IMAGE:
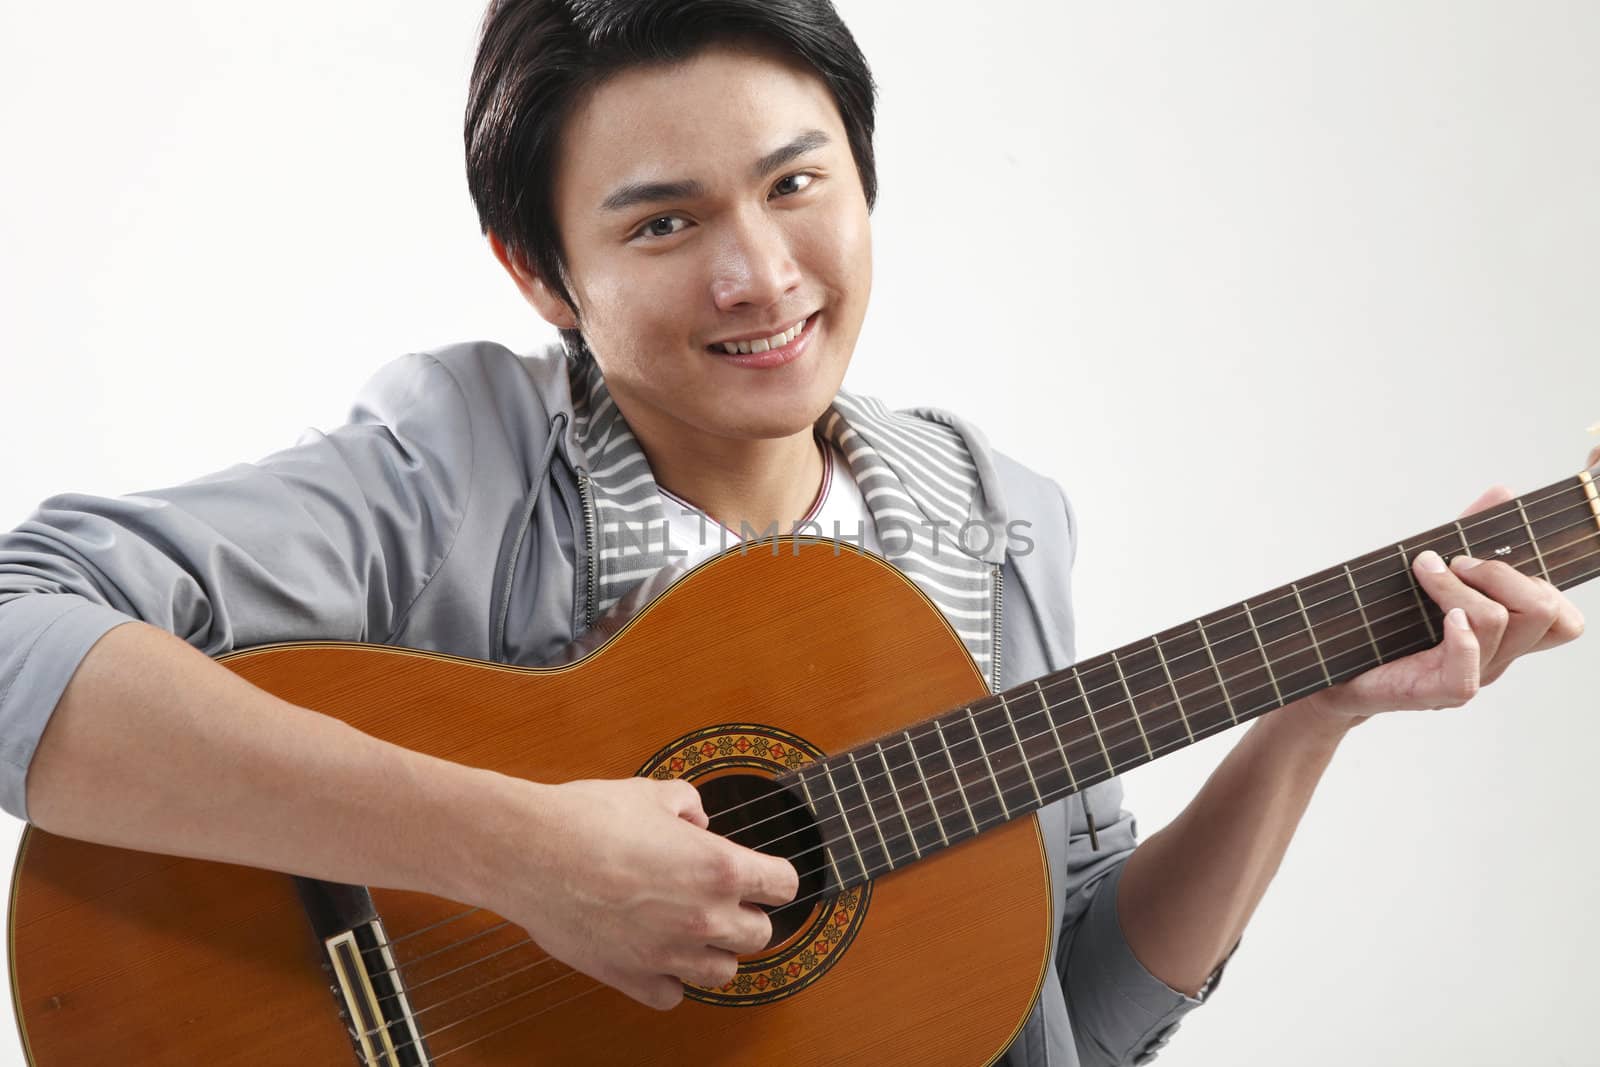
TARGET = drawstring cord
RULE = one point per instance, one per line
(557, 428)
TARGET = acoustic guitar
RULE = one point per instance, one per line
(827, 713)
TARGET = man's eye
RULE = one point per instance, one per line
(803, 179)
(665, 226)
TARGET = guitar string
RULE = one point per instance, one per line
(1204, 734)
(868, 871)
(1045, 705)
(1493, 515)
(431, 926)
(518, 1022)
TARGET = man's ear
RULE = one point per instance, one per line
(550, 307)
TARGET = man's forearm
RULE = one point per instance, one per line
(1189, 889)
(153, 746)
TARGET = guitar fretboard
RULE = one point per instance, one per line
(900, 798)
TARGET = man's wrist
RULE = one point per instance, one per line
(1314, 721)
(479, 814)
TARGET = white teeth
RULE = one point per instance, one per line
(775, 341)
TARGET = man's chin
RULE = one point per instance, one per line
(758, 421)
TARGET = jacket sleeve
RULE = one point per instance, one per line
(331, 539)
(1120, 1012)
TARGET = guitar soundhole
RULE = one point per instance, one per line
(759, 813)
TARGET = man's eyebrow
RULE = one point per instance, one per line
(806, 142)
(636, 193)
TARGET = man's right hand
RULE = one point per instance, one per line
(621, 880)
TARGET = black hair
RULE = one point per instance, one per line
(537, 57)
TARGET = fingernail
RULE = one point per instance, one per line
(1458, 619)
(1430, 562)
(1465, 563)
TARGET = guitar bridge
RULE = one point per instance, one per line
(366, 980)
(381, 1022)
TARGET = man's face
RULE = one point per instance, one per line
(739, 249)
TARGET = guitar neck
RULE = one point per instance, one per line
(906, 796)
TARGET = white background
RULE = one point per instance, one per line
(1264, 285)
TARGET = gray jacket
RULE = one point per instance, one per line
(448, 514)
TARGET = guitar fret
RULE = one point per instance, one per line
(1177, 700)
(871, 811)
(983, 750)
(1534, 541)
(1021, 752)
(1316, 646)
(1466, 546)
(1051, 719)
(1421, 607)
(1088, 710)
(911, 835)
(1123, 678)
(1222, 683)
(1251, 619)
(826, 847)
(956, 775)
(916, 761)
(1360, 607)
(845, 819)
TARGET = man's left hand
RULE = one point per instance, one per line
(1493, 614)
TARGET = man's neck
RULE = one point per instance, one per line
(757, 483)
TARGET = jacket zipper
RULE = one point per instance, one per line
(999, 570)
(591, 560)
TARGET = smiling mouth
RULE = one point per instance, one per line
(763, 344)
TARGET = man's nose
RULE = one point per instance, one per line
(755, 267)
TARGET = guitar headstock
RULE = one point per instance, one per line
(1594, 456)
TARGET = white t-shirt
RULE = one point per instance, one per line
(839, 512)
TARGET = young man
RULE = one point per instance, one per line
(661, 180)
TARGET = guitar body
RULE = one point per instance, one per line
(751, 665)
